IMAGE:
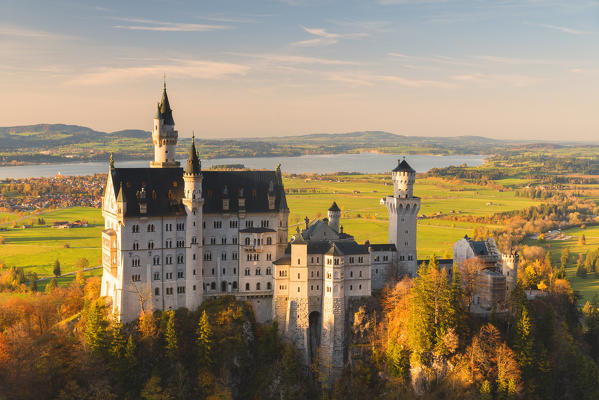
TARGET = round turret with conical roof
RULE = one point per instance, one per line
(334, 214)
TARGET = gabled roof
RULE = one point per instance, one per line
(285, 260)
(165, 190)
(347, 249)
(403, 166)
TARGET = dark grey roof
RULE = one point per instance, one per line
(193, 162)
(253, 184)
(383, 247)
(403, 166)
(283, 261)
(165, 190)
(256, 230)
(348, 248)
(318, 247)
(479, 247)
(334, 207)
(166, 113)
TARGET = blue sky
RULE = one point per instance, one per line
(507, 69)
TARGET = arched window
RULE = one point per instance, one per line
(151, 228)
(268, 241)
(213, 286)
(223, 286)
(247, 286)
(258, 286)
(268, 285)
(234, 285)
(157, 291)
(247, 241)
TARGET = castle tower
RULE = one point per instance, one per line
(403, 210)
(333, 339)
(509, 269)
(334, 216)
(193, 202)
(164, 135)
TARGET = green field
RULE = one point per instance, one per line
(364, 217)
(589, 286)
(36, 248)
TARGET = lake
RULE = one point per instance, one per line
(319, 163)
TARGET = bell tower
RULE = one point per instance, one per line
(164, 135)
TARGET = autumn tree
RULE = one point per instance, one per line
(582, 240)
(51, 285)
(170, 336)
(204, 341)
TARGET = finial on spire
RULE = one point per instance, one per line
(164, 80)
(111, 161)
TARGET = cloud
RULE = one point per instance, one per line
(434, 59)
(199, 69)
(293, 59)
(563, 29)
(325, 38)
(360, 78)
(30, 33)
(161, 26)
(391, 2)
(496, 80)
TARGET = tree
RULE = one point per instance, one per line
(548, 259)
(147, 325)
(582, 240)
(51, 285)
(82, 263)
(57, 268)
(204, 341)
(80, 278)
(95, 329)
(33, 281)
(117, 340)
(565, 258)
(524, 340)
(171, 336)
(485, 391)
(432, 314)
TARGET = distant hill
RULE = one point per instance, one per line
(48, 143)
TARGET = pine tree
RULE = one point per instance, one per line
(117, 340)
(565, 257)
(171, 336)
(204, 341)
(57, 268)
(33, 281)
(524, 340)
(130, 357)
(95, 329)
(51, 285)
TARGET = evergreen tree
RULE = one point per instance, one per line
(432, 314)
(33, 281)
(95, 329)
(51, 285)
(57, 268)
(117, 341)
(524, 340)
(130, 357)
(204, 341)
(582, 240)
(548, 259)
(581, 271)
(171, 336)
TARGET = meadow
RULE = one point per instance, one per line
(589, 286)
(358, 196)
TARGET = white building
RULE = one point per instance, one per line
(174, 237)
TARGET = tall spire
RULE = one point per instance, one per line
(111, 161)
(165, 108)
(193, 162)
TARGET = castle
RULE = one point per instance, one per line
(176, 236)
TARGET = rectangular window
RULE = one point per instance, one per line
(169, 290)
(180, 289)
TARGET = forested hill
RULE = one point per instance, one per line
(47, 143)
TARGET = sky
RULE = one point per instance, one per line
(511, 69)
